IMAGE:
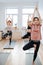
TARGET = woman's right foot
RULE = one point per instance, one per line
(33, 63)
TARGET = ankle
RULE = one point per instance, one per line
(33, 63)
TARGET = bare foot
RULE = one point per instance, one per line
(33, 63)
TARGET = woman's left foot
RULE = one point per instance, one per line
(33, 63)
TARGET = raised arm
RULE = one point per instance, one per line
(36, 9)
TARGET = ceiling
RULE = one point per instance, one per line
(14, 1)
(21, 2)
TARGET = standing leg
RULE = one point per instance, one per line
(36, 50)
(10, 35)
(10, 41)
(28, 46)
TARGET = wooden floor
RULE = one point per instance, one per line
(17, 54)
(41, 53)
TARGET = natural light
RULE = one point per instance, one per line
(26, 15)
(30, 11)
(15, 20)
(12, 14)
(12, 11)
(24, 20)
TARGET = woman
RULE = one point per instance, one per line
(8, 32)
(35, 37)
(28, 35)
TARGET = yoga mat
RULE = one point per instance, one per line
(29, 58)
(7, 46)
(3, 58)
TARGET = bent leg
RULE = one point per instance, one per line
(28, 46)
(25, 36)
(10, 35)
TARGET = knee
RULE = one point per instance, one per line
(34, 45)
(24, 48)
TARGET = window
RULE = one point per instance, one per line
(19, 15)
(15, 20)
(26, 14)
(13, 13)
(24, 20)
(27, 11)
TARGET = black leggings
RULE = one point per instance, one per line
(31, 45)
(9, 33)
(27, 36)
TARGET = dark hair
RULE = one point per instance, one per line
(8, 21)
(35, 18)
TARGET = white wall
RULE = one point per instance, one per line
(3, 6)
(2, 17)
(41, 13)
